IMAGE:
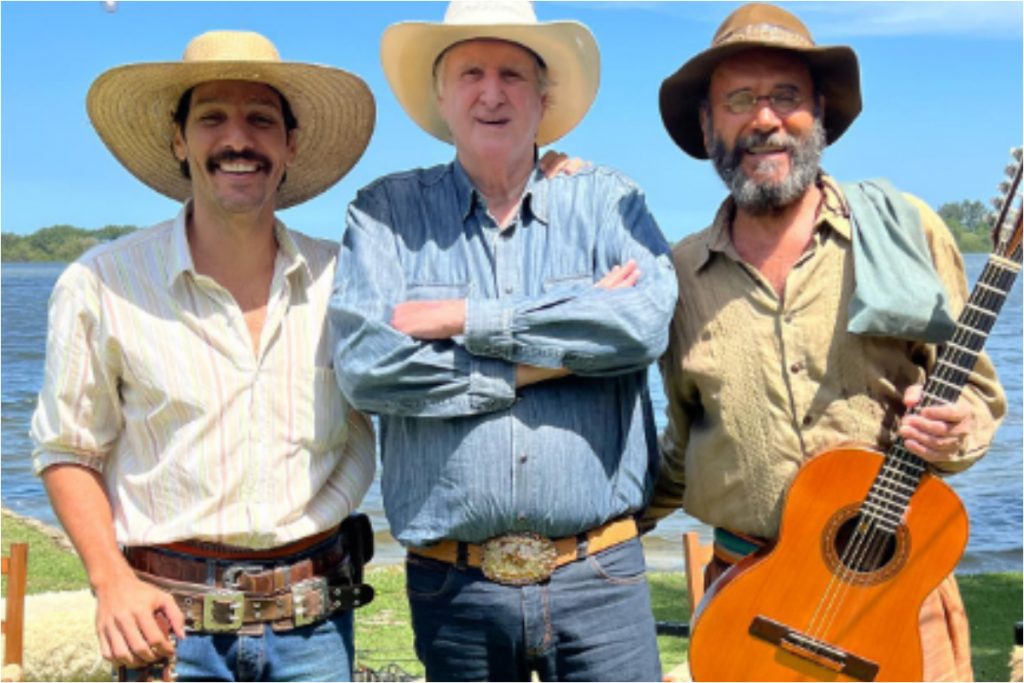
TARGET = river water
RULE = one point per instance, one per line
(991, 489)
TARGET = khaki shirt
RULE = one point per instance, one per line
(756, 385)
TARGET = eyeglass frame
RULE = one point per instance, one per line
(776, 92)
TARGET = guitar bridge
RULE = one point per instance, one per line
(813, 650)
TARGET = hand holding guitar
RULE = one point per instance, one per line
(936, 433)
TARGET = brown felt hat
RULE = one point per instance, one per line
(759, 25)
(131, 107)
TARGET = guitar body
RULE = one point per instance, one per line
(802, 584)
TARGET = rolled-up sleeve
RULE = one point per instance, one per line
(78, 416)
(381, 370)
(590, 330)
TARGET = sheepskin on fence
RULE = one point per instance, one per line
(60, 638)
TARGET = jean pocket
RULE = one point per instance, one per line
(427, 579)
(621, 564)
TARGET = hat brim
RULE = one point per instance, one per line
(835, 71)
(131, 107)
(408, 51)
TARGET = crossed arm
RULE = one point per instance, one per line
(446, 318)
(397, 354)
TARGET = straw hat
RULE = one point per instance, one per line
(755, 25)
(408, 51)
(131, 108)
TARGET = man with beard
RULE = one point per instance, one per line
(190, 431)
(779, 347)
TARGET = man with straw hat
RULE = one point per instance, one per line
(190, 431)
(501, 324)
(799, 330)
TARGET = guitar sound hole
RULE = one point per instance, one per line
(863, 549)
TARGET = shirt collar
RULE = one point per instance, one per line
(833, 214)
(535, 195)
(716, 239)
(180, 260)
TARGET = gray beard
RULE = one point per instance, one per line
(769, 197)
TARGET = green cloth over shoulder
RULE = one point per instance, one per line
(897, 292)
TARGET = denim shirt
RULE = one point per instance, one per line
(465, 454)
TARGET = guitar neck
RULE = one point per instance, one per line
(957, 356)
(902, 471)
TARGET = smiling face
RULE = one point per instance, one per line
(236, 145)
(490, 96)
(767, 157)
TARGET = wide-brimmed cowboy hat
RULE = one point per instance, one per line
(758, 25)
(408, 51)
(131, 108)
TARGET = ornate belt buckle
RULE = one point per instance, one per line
(519, 559)
(222, 610)
(309, 600)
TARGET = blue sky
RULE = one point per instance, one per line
(941, 84)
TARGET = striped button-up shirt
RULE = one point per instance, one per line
(758, 383)
(151, 379)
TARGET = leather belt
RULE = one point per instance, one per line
(524, 558)
(240, 593)
(213, 610)
(249, 573)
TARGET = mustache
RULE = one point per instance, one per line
(775, 139)
(230, 155)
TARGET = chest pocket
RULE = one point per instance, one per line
(567, 283)
(432, 291)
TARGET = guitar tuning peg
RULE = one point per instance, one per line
(1016, 153)
(1010, 170)
(997, 203)
(1004, 187)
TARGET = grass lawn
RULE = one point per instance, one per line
(384, 636)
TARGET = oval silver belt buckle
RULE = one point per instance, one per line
(519, 559)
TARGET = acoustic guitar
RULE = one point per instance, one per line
(864, 538)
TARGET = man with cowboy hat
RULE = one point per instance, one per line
(780, 347)
(501, 324)
(190, 431)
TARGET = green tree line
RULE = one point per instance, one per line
(968, 220)
(63, 243)
(969, 223)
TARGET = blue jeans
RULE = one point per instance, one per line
(318, 652)
(591, 621)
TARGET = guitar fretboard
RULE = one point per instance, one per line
(901, 473)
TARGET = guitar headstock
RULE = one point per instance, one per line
(1006, 227)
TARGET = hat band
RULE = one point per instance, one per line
(768, 33)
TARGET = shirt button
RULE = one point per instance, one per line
(522, 459)
(796, 367)
(807, 420)
(788, 318)
(508, 289)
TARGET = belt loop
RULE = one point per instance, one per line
(582, 545)
(211, 572)
(461, 555)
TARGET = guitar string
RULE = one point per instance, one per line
(969, 337)
(866, 548)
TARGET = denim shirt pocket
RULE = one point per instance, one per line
(430, 291)
(568, 282)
